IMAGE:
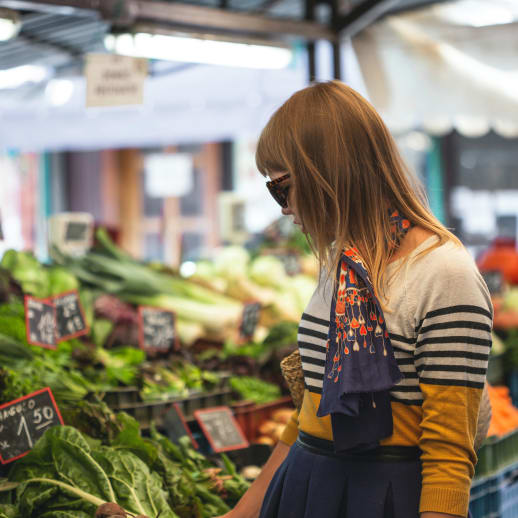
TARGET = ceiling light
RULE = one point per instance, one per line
(59, 91)
(17, 76)
(477, 13)
(198, 50)
(10, 24)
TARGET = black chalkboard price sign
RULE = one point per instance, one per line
(23, 421)
(70, 319)
(221, 429)
(494, 281)
(40, 322)
(249, 320)
(157, 329)
(175, 426)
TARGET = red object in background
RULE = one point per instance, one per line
(113, 231)
(502, 256)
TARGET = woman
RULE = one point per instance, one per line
(395, 341)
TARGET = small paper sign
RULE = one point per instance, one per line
(23, 421)
(175, 426)
(249, 320)
(157, 329)
(113, 80)
(40, 322)
(221, 429)
(494, 281)
(70, 319)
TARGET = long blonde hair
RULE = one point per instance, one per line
(346, 171)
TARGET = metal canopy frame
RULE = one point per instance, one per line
(221, 20)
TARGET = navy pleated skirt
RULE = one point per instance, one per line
(313, 484)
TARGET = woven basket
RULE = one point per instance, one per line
(291, 368)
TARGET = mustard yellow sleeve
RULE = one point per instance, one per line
(448, 432)
(289, 435)
(451, 356)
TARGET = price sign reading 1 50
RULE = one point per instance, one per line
(23, 421)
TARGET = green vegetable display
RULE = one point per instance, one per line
(70, 474)
(254, 389)
(111, 270)
(64, 473)
(98, 457)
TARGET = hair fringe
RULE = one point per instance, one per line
(346, 173)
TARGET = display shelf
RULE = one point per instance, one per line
(496, 496)
(153, 411)
(496, 453)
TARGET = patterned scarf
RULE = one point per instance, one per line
(360, 365)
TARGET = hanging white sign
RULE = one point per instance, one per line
(113, 80)
(168, 174)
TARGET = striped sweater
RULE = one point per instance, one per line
(439, 321)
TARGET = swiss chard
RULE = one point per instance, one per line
(63, 474)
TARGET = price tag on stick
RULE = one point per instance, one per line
(24, 420)
(221, 429)
(157, 329)
(249, 320)
(70, 319)
(40, 322)
(175, 425)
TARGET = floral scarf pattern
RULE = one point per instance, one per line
(360, 365)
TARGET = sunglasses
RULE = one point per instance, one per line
(278, 191)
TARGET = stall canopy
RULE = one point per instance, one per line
(438, 67)
(451, 65)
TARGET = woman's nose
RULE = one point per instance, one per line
(286, 211)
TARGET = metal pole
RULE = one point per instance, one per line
(310, 16)
(337, 49)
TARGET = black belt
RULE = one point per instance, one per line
(379, 453)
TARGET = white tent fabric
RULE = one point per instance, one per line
(421, 71)
(197, 104)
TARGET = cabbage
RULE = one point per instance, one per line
(231, 262)
(268, 271)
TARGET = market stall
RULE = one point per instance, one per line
(141, 356)
(130, 364)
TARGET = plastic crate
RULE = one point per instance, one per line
(486, 464)
(250, 416)
(115, 398)
(220, 397)
(480, 501)
(496, 454)
(507, 494)
(146, 413)
(505, 450)
(152, 411)
(496, 496)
